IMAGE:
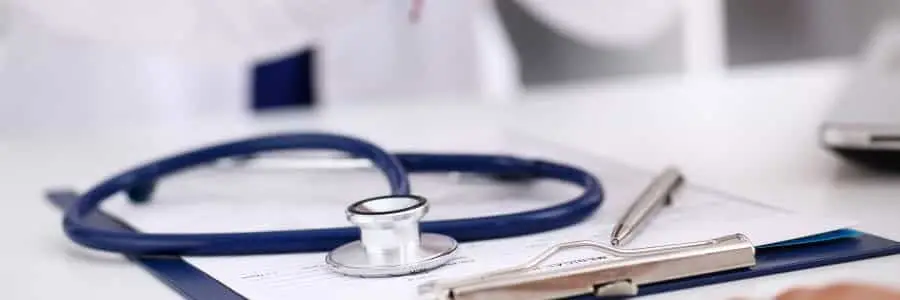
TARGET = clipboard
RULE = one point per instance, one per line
(828, 249)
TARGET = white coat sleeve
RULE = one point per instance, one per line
(606, 23)
(211, 29)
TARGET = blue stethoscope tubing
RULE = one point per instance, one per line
(138, 184)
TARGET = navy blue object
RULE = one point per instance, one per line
(138, 183)
(285, 82)
(822, 237)
(195, 284)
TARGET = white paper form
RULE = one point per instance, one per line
(241, 200)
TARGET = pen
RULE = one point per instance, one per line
(657, 194)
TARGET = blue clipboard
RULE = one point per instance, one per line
(195, 284)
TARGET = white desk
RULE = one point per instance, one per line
(752, 134)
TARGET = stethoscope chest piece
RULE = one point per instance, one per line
(390, 243)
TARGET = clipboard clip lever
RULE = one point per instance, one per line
(619, 274)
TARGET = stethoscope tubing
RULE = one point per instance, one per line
(394, 166)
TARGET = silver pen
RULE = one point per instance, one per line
(657, 194)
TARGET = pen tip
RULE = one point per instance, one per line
(614, 242)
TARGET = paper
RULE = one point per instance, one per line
(240, 200)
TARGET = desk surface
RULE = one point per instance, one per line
(752, 134)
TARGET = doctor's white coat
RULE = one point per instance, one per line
(369, 50)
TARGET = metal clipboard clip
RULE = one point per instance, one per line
(619, 276)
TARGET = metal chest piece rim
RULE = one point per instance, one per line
(390, 242)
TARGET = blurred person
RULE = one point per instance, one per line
(365, 50)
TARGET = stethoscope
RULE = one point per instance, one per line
(391, 239)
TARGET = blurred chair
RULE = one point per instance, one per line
(588, 40)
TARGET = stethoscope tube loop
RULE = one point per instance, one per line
(394, 167)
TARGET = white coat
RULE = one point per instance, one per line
(369, 50)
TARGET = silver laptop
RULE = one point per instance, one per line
(864, 123)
